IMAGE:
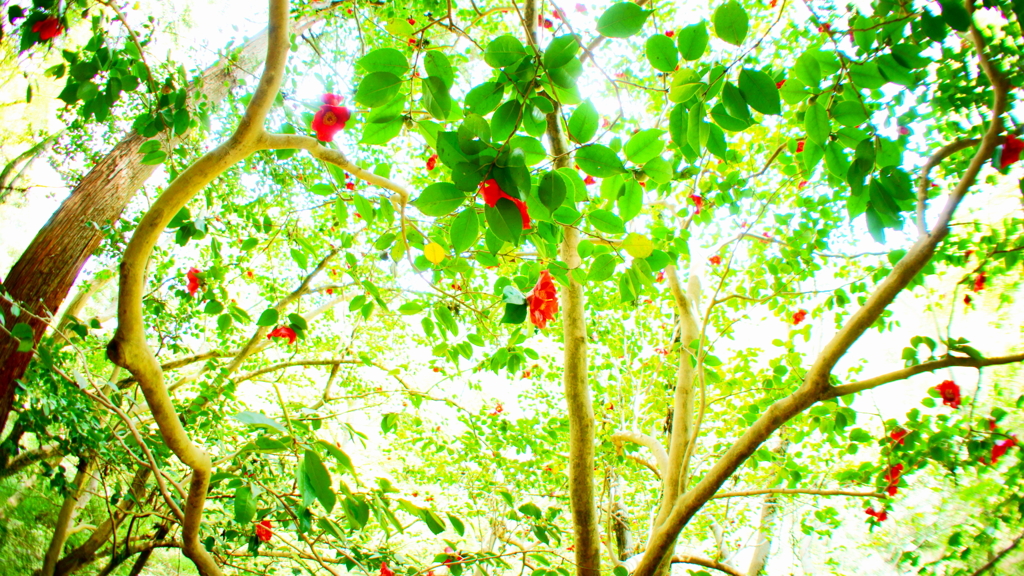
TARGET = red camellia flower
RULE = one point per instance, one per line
(385, 571)
(799, 316)
(780, 83)
(350, 185)
(1001, 446)
(773, 3)
(800, 146)
(263, 531)
(897, 435)
(991, 424)
(715, 260)
(193, 280)
(967, 299)
(543, 301)
(51, 28)
(893, 478)
(412, 22)
(589, 180)
(979, 282)
(825, 28)
(283, 332)
(1011, 149)
(950, 393)
(698, 201)
(670, 33)
(492, 193)
(431, 163)
(330, 118)
(880, 515)
(801, 185)
(660, 277)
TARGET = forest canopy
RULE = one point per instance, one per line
(566, 289)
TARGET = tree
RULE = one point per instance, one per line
(741, 161)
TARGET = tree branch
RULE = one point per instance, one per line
(932, 366)
(797, 491)
(652, 444)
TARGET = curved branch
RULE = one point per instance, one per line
(922, 181)
(652, 444)
(797, 491)
(946, 362)
(706, 563)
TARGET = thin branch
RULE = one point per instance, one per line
(923, 182)
(932, 366)
(651, 443)
(992, 563)
(706, 563)
(797, 491)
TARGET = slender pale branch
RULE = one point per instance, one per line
(931, 366)
(797, 491)
(923, 181)
(649, 442)
(706, 563)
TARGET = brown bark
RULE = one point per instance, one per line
(42, 277)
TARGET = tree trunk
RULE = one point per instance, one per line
(769, 511)
(45, 272)
(66, 516)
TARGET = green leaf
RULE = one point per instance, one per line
(319, 479)
(440, 199)
(434, 522)
(685, 83)
(338, 455)
(504, 51)
(583, 122)
(631, 201)
(760, 92)
(638, 245)
(955, 15)
(644, 145)
(437, 65)
(659, 170)
(258, 420)
(693, 41)
(849, 113)
(269, 317)
(504, 220)
(378, 88)
(485, 97)
(436, 99)
(464, 231)
(560, 51)
(552, 190)
(457, 524)
(384, 60)
(817, 123)
(599, 160)
(505, 119)
(606, 221)
(245, 505)
(731, 23)
(661, 53)
(514, 313)
(530, 509)
(381, 132)
(603, 268)
(808, 69)
(867, 75)
(622, 20)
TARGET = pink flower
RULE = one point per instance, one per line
(193, 280)
(950, 393)
(543, 301)
(1001, 446)
(698, 201)
(283, 332)
(581, 8)
(1011, 149)
(904, 131)
(50, 28)
(799, 316)
(263, 532)
(897, 435)
(492, 193)
(330, 119)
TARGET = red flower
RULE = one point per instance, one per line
(589, 180)
(715, 260)
(773, 3)
(543, 301)
(979, 282)
(950, 393)
(880, 515)
(967, 299)
(263, 532)
(800, 146)
(670, 33)
(904, 131)
(801, 185)
(283, 332)
(385, 571)
(330, 291)
(799, 317)
(412, 41)
(698, 201)
(431, 163)
(897, 435)
(660, 277)
(893, 478)
(825, 28)
(412, 22)
(193, 280)
(492, 193)
(51, 28)
(604, 121)
(581, 8)
(350, 185)
(780, 83)
(991, 424)
(330, 118)
(1001, 446)
(1011, 149)
(558, 14)
(544, 22)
